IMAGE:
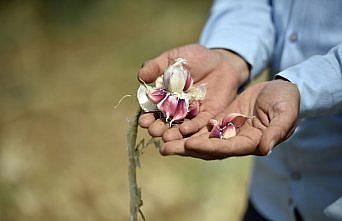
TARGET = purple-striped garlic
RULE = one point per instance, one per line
(227, 128)
(173, 93)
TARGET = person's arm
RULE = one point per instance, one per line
(319, 80)
(244, 27)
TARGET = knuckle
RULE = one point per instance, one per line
(184, 128)
(143, 122)
(280, 107)
(167, 136)
(152, 132)
(189, 146)
(145, 63)
(170, 135)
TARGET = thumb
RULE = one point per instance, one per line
(280, 129)
(153, 68)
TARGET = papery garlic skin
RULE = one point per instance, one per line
(159, 82)
(145, 103)
(197, 93)
(173, 94)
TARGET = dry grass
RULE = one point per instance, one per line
(62, 150)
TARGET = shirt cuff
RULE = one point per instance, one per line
(306, 104)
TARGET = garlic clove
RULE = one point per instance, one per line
(212, 123)
(215, 132)
(177, 82)
(168, 106)
(188, 83)
(235, 118)
(181, 111)
(156, 95)
(175, 76)
(194, 109)
(229, 131)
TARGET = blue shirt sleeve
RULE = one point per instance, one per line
(319, 80)
(242, 26)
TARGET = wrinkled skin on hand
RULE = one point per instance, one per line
(220, 70)
(275, 107)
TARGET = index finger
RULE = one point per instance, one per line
(153, 68)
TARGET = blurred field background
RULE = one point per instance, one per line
(63, 66)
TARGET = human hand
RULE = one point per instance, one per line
(222, 72)
(274, 106)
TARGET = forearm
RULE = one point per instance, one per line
(319, 80)
(244, 27)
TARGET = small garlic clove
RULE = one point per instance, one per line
(235, 118)
(197, 92)
(178, 81)
(188, 83)
(168, 106)
(156, 95)
(145, 103)
(215, 132)
(181, 111)
(229, 131)
(166, 78)
(175, 76)
(212, 123)
(194, 109)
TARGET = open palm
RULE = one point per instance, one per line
(274, 106)
(221, 73)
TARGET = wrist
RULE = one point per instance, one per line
(241, 67)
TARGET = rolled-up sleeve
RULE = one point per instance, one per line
(242, 26)
(319, 80)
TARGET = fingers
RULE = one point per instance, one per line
(157, 128)
(279, 129)
(153, 68)
(145, 120)
(194, 125)
(171, 134)
(176, 147)
(244, 144)
(187, 127)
